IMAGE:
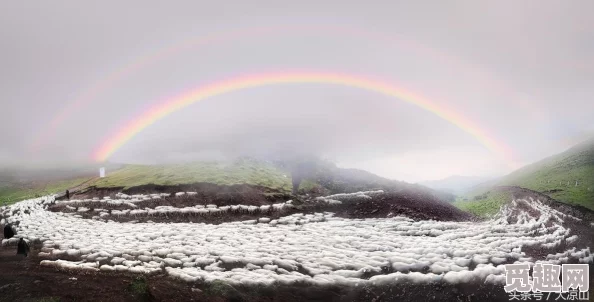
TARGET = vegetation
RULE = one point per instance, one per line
(243, 171)
(567, 177)
(11, 194)
(486, 204)
(310, 186)
(317, 177)
(320, 176)
(220, 288)
(139, 288)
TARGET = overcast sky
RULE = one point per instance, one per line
(523, 71)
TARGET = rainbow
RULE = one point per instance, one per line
(173, 104)
(111, 79)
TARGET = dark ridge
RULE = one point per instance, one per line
(200, 187)
(415, 205)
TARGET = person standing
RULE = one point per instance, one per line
(23, 247)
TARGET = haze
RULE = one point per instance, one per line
(521, 70)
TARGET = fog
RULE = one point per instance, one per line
(74, 73)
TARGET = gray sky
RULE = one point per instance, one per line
(521, 70)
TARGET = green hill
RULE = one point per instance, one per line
(242, 171)
(319, 177)
(19, 184)
(13, 192)
(485, 205)
(567, 177)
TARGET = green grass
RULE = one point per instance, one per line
(557, 179)
(308, 185)
(556, 176)
(239, 172)
(140, 289)
(242, 171)
(9, 195)
(220, 288)
(485, 205)
(139, 286)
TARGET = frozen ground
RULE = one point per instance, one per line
(317, 249)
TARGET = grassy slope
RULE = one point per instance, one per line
(556, 176)
(239, 172)
(11, 194)
(486, 204)
(326, 178)
(243, 171)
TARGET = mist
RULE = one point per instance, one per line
(521, 71)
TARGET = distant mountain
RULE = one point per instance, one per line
(329, 179)
(455, 184)
(567, 177)
(481, 187)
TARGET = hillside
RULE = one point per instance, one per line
(242, 171)
(329, 179)
(322, 178)
(18, 183)
(567, 177)
(486, 204)
(13, 192)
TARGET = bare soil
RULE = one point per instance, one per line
(409, 203)
(416, 205)
(213, 193)
(23, 279)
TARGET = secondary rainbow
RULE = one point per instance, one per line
(170, 105)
